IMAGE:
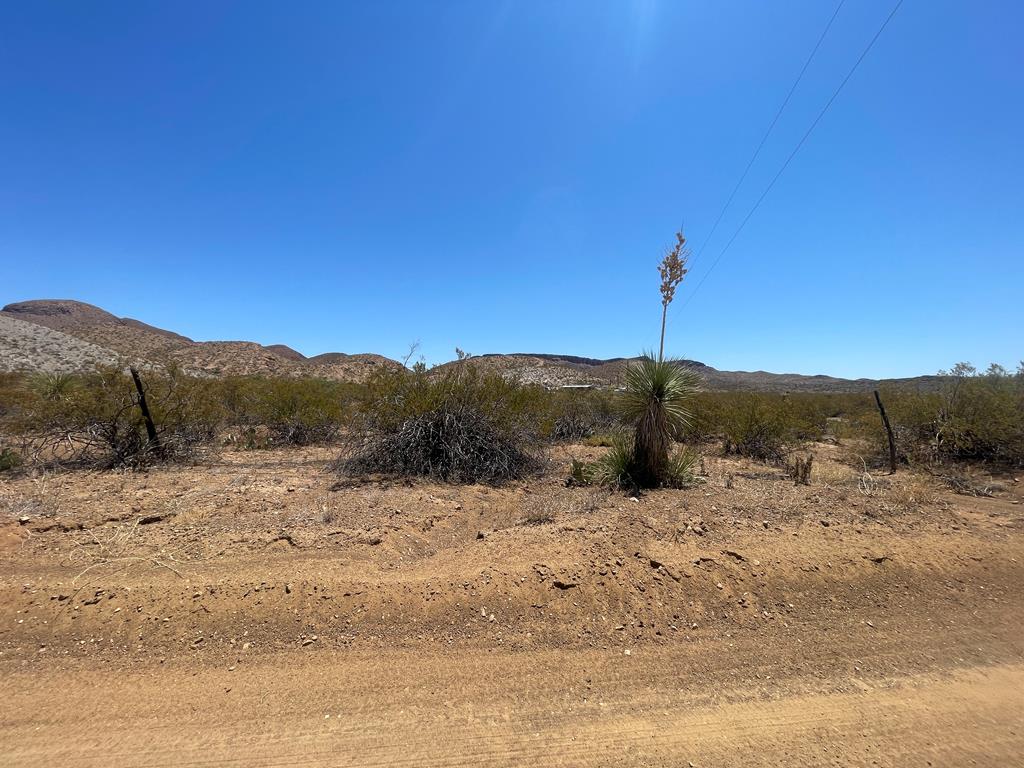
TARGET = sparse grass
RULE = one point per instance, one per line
(911, 492)
(538, 516)
(834, 474)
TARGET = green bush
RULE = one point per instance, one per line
(269, 412)
(9, 459)
(972, 416)
(95, 420)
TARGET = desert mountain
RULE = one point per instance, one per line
(65, 335)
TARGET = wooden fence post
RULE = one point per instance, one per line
(154, 439)
(888, 431)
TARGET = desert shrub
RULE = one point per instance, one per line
(968, 417)
(94, 420)
(574, 415)
(456, 425)
(742, 417)
(981, 417)
(302, 412)
(9, 459)
(754, 426)
(263, 413)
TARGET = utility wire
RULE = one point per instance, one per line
(796, 149)
(767, 133)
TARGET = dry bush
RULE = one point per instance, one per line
(457, 426)
(911, 492)
(453, 443)
(575, 416)
(799, 469)
(966, 485)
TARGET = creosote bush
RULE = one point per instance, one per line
(455, 424)
(264, 413)
(95, 420)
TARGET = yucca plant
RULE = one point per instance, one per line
(656, 399)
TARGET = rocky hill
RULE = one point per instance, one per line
(29, 347)
(66, 335)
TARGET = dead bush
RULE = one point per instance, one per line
(459, 426)
(799, 469)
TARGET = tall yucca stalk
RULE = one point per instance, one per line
(656, 397)
(672, 270)
(658, 390)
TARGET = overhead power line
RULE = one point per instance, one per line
(793, 154)
(767, 133)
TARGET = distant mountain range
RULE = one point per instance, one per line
(61, 335)
(572, 369)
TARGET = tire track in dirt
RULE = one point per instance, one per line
(950, 719)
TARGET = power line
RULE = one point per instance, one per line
(767, 133)
(796, 149)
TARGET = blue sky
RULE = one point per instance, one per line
(505, 176)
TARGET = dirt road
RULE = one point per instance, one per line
(260, 617)
(480, 708)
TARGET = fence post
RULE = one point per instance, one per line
(154, 439)
(888, 431)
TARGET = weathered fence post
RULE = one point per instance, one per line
(888, 431)
(154, 439)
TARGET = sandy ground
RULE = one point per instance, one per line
(254, 611)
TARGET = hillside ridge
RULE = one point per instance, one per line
(80, 336)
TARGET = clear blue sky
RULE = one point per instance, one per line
(504, 176)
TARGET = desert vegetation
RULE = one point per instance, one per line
(466, 424)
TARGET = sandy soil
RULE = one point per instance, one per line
(254, 611)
